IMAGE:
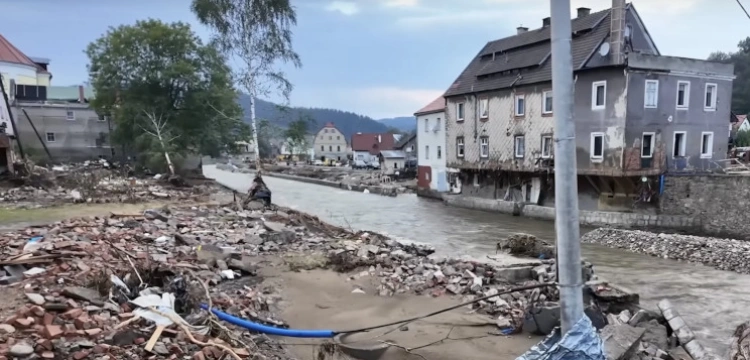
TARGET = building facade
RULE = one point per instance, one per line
(638, 114)
(431, 136)
(367, 146)
(330, 143)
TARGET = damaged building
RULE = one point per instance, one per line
(638, 114)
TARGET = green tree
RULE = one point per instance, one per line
(742, 139)
(167, 92)
(295, 135)
(258, 35)
(741, 85)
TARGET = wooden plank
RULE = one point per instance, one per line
(154, 338)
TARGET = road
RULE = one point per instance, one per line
(710, 300)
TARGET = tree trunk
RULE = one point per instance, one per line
(256, 144)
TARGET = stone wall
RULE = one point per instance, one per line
(720, 202)
(586, 218)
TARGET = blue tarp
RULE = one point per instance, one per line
(580, 343)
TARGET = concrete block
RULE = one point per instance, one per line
(516, 274)
(621, 341)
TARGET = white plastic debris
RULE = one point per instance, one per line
(118, 282)
(227, 274)
(163, 303)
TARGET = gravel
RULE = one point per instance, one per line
(722, 254)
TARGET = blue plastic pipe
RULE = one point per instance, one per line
(270, 330)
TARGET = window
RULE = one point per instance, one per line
(330, 138)
(651, 95)
(320, 137)
(330, 148)
(70, 115)
(427, 152)
(484, 147)
(439, 152)
(325, 131)
(647, 145)
(460, 146)
(598, 95)
(460, 112)
(484, 108)
(547, 102)
(546, 146)
(437, 125)
(322, 148)
(709, 103)
(50, 137)
(426, 125)
(338, 137)
(597, 146)
(102, 117)
(338, 148)
(707, 144)
(678, 144)
(520, 105)
(683, 94)
(518, 146)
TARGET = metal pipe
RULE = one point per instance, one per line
(33, 127)
(12, 121)
(566, 185)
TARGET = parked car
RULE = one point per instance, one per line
(359, 164)
(318, 163)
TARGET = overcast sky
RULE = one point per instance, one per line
(380, 58)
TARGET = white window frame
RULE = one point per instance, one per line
(594, 86)
(437, 125)
(516, 107)
(460, 147)
(460, 111)
(70, 115)
(653, 143)
(544, 102)
(515, 146)
(592, 147)
(427, 152)
(54, 137)
(683, 146)
(551, 144)
(686, 98)
(484, 147)
(484, 104)
(709, 146)
(712, 106)
(656, 94)
(426, 125)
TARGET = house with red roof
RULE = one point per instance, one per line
(431, 163)
(367, 146)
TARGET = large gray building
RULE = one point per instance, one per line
(63, 121)
(638, 114)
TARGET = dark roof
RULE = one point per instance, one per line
(405, 140)
(436, 105)
(528, 56)
(372, 142)
(10, 54)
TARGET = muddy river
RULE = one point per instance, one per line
(710, 300)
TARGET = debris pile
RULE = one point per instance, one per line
(92, 182)
(722, 254)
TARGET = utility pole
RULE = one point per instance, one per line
(566, 184)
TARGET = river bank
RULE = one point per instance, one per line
(722, 254)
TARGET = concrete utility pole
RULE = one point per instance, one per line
(566, 184)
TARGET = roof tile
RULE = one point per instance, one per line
(435, 106)
(9, 53)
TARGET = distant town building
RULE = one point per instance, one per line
(330, 143)
(638, 114)
(367, 146)
(431, 170)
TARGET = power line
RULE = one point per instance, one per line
(743, 8)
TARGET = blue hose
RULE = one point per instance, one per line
(270, 330)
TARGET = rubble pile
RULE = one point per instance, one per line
(93, 182)
(722, 254)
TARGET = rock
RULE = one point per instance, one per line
(274, 226)
(655, 334)
(358, 291)
(7, 329)
(542, 319)
(527, 245)
(155, 215)
(620, 341)
(21, 350)
(36, 298)
(160, 349)
(81, 293)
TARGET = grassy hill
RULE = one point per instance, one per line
(403, 123)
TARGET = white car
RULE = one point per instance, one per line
(318, 163)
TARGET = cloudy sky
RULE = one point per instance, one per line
(380, 58)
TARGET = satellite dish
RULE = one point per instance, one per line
(604, 49)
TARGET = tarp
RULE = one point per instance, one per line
(580, 343)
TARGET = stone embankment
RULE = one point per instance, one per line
(722, 254)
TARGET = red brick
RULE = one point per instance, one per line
(199, 356)
(24, 322)
(72, 314)
(46, 344)
(139, 341)
(37, 311)
(83, 322)
(81, 355)
(125, 316)
(93, 332)
(52, 331)
(48, 355)
(101, 348)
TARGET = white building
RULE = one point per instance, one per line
(431, 171)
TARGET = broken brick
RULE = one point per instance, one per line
(53, 331)
(24, 322)
(81, 355)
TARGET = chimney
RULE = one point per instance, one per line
(617, 32)
(583, 11)
(546, 21)
(522, 30)
(81, 97)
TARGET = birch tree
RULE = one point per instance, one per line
(157, 129)
(257, 34)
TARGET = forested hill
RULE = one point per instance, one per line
(347, 122)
